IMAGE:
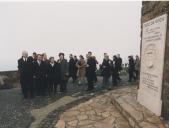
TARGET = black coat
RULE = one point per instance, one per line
(63, 69)
(114, 67)
(40, 71)
(119, 63)
(53, 73)
(90, 69)
(76, 66)
(72, 67)
(131, 64)
(32, 59)
(106, 68)
(25, 69)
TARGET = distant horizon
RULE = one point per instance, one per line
(73, 27)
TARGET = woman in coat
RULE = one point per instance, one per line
(81, 65)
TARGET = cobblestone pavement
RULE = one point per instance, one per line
(19, 113)
(98, 112)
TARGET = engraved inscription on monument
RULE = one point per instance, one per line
(152, 61)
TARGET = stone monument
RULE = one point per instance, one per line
(153, 91)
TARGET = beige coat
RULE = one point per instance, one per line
(81, 64)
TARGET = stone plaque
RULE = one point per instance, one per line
(152, 63)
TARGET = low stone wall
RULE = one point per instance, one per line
(9, 79)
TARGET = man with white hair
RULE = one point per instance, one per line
(26, 74)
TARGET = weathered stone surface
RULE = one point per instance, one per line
(98, 112)
(73, 123)
(85, 122)
(69, 118)
(147, 125)
(60, 124)
(95, 117)
(71, 113)
(82, 117)
(106, 114)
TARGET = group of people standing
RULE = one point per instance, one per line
(40, 76)
(112, 68)
(133, 68)
(83, 69)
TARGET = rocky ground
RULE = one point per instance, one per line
(17, 112)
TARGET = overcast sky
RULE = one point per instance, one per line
(70, 27)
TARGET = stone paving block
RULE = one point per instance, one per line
(60, 124)
(73, 123)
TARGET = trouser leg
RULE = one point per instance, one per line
(95, 77)
(50, 88)
(22, 87)
(55, 88)
(105, 81)
(118, 76)
(25, 90)
(137, 74)
(74, 78)
(130, 75)
(45, 87)
(31, 89)
(114, 78)
(63, 86)
(37, 88)
(42, 87)
(90, 83)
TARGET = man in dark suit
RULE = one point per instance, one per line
(90, 71)
(40, 75)
(64, 72)
(119, 66)
(33, 57)
(131, 69)
(72, 68)
(53, 75)
(95, 75)
(25, 67)
(115, 70)
(46, 61)
(76, 68)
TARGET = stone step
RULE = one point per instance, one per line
(137, 115)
